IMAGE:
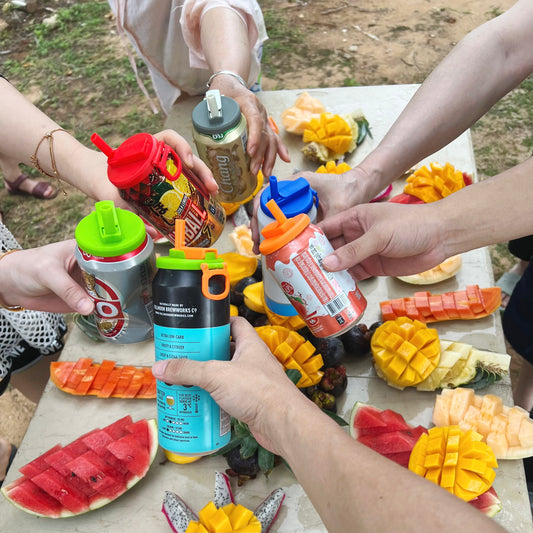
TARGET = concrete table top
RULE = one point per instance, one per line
(60, 418)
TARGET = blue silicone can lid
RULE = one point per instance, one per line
(292, 196)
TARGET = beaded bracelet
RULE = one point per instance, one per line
(229, 73)
(14, 308)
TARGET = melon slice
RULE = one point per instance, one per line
(367, 420)
(446, 270)
(507, 430)
(386, 432)
(92, 471)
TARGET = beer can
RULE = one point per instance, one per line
(329, 302)
(117, 261)
(191, 320)
(220, 133)
(152, 179)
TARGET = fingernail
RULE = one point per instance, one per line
(159, 367)
(85, 306)
(331, 262)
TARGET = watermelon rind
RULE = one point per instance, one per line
(98, 502)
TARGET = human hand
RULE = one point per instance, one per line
(45, 279)
(252, 387)
(264, 144)
(385, 239)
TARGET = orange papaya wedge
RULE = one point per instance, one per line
(104, 380)
(470, 303)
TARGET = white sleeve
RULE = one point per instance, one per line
(251, 15)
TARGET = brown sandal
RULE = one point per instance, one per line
(37, 192)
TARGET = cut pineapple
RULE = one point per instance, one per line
(461, 364)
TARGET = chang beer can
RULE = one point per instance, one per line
(117, 260)
(220, 133)
(191, 321)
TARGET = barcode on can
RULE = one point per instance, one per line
(337, 305)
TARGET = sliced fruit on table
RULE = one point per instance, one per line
(446, 270)
(405, 351)
(88, 473)
(297, 117)
(331, 167)
(222, 514)
(457, 460)
(471, 303)
(239, 266)
(253, 296)
(385, 431)
(434, 183)
(461, 364)
(241, 237)
(507, 430)
(293, 351)
(84, 377)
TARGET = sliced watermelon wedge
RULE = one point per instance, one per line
(387, 433)
(90, 472)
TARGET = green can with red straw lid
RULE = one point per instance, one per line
(293, 248)
(150, 176)
(117, 261)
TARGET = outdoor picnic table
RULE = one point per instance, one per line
(60, 417)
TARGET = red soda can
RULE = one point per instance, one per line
(329, 302)
(152, 179)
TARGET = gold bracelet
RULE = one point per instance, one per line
(14, 308)
(35, 161)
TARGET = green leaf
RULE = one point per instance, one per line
(233, 443)
(336, 417)
(265, 460)
(294, 375)
(241, 429)
(248, 447)
(363, 131)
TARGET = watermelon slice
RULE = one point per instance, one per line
(387, 433)
(90, 472)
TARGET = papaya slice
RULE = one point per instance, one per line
(104, 380)
(471, 303)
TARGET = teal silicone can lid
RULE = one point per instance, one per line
(134, 160)
(292, 196)
(110, 231)
(216, 114)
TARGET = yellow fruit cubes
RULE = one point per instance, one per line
(435, 183)
(293, 351)
(229, 518)
(507, 430)
(456, 460)
(331, 131)
(405, 351)
(331, 167)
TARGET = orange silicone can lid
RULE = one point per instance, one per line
(283, 230)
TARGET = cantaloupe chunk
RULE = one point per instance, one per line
(507, 430)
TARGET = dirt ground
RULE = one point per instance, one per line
(393, 43)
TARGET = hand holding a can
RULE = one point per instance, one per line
(44, 279)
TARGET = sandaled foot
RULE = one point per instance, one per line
(8, 452)
(41, 189)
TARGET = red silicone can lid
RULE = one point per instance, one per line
(134, 160)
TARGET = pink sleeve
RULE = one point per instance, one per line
(248, 10)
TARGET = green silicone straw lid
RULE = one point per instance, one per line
(110, 231)
(182, 257)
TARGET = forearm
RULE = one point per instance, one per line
(495, 210)
(23, 126)
(481, 69)
(355, 489)
(225, 41)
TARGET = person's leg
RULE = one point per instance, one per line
(7, 452)
(17, 182)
